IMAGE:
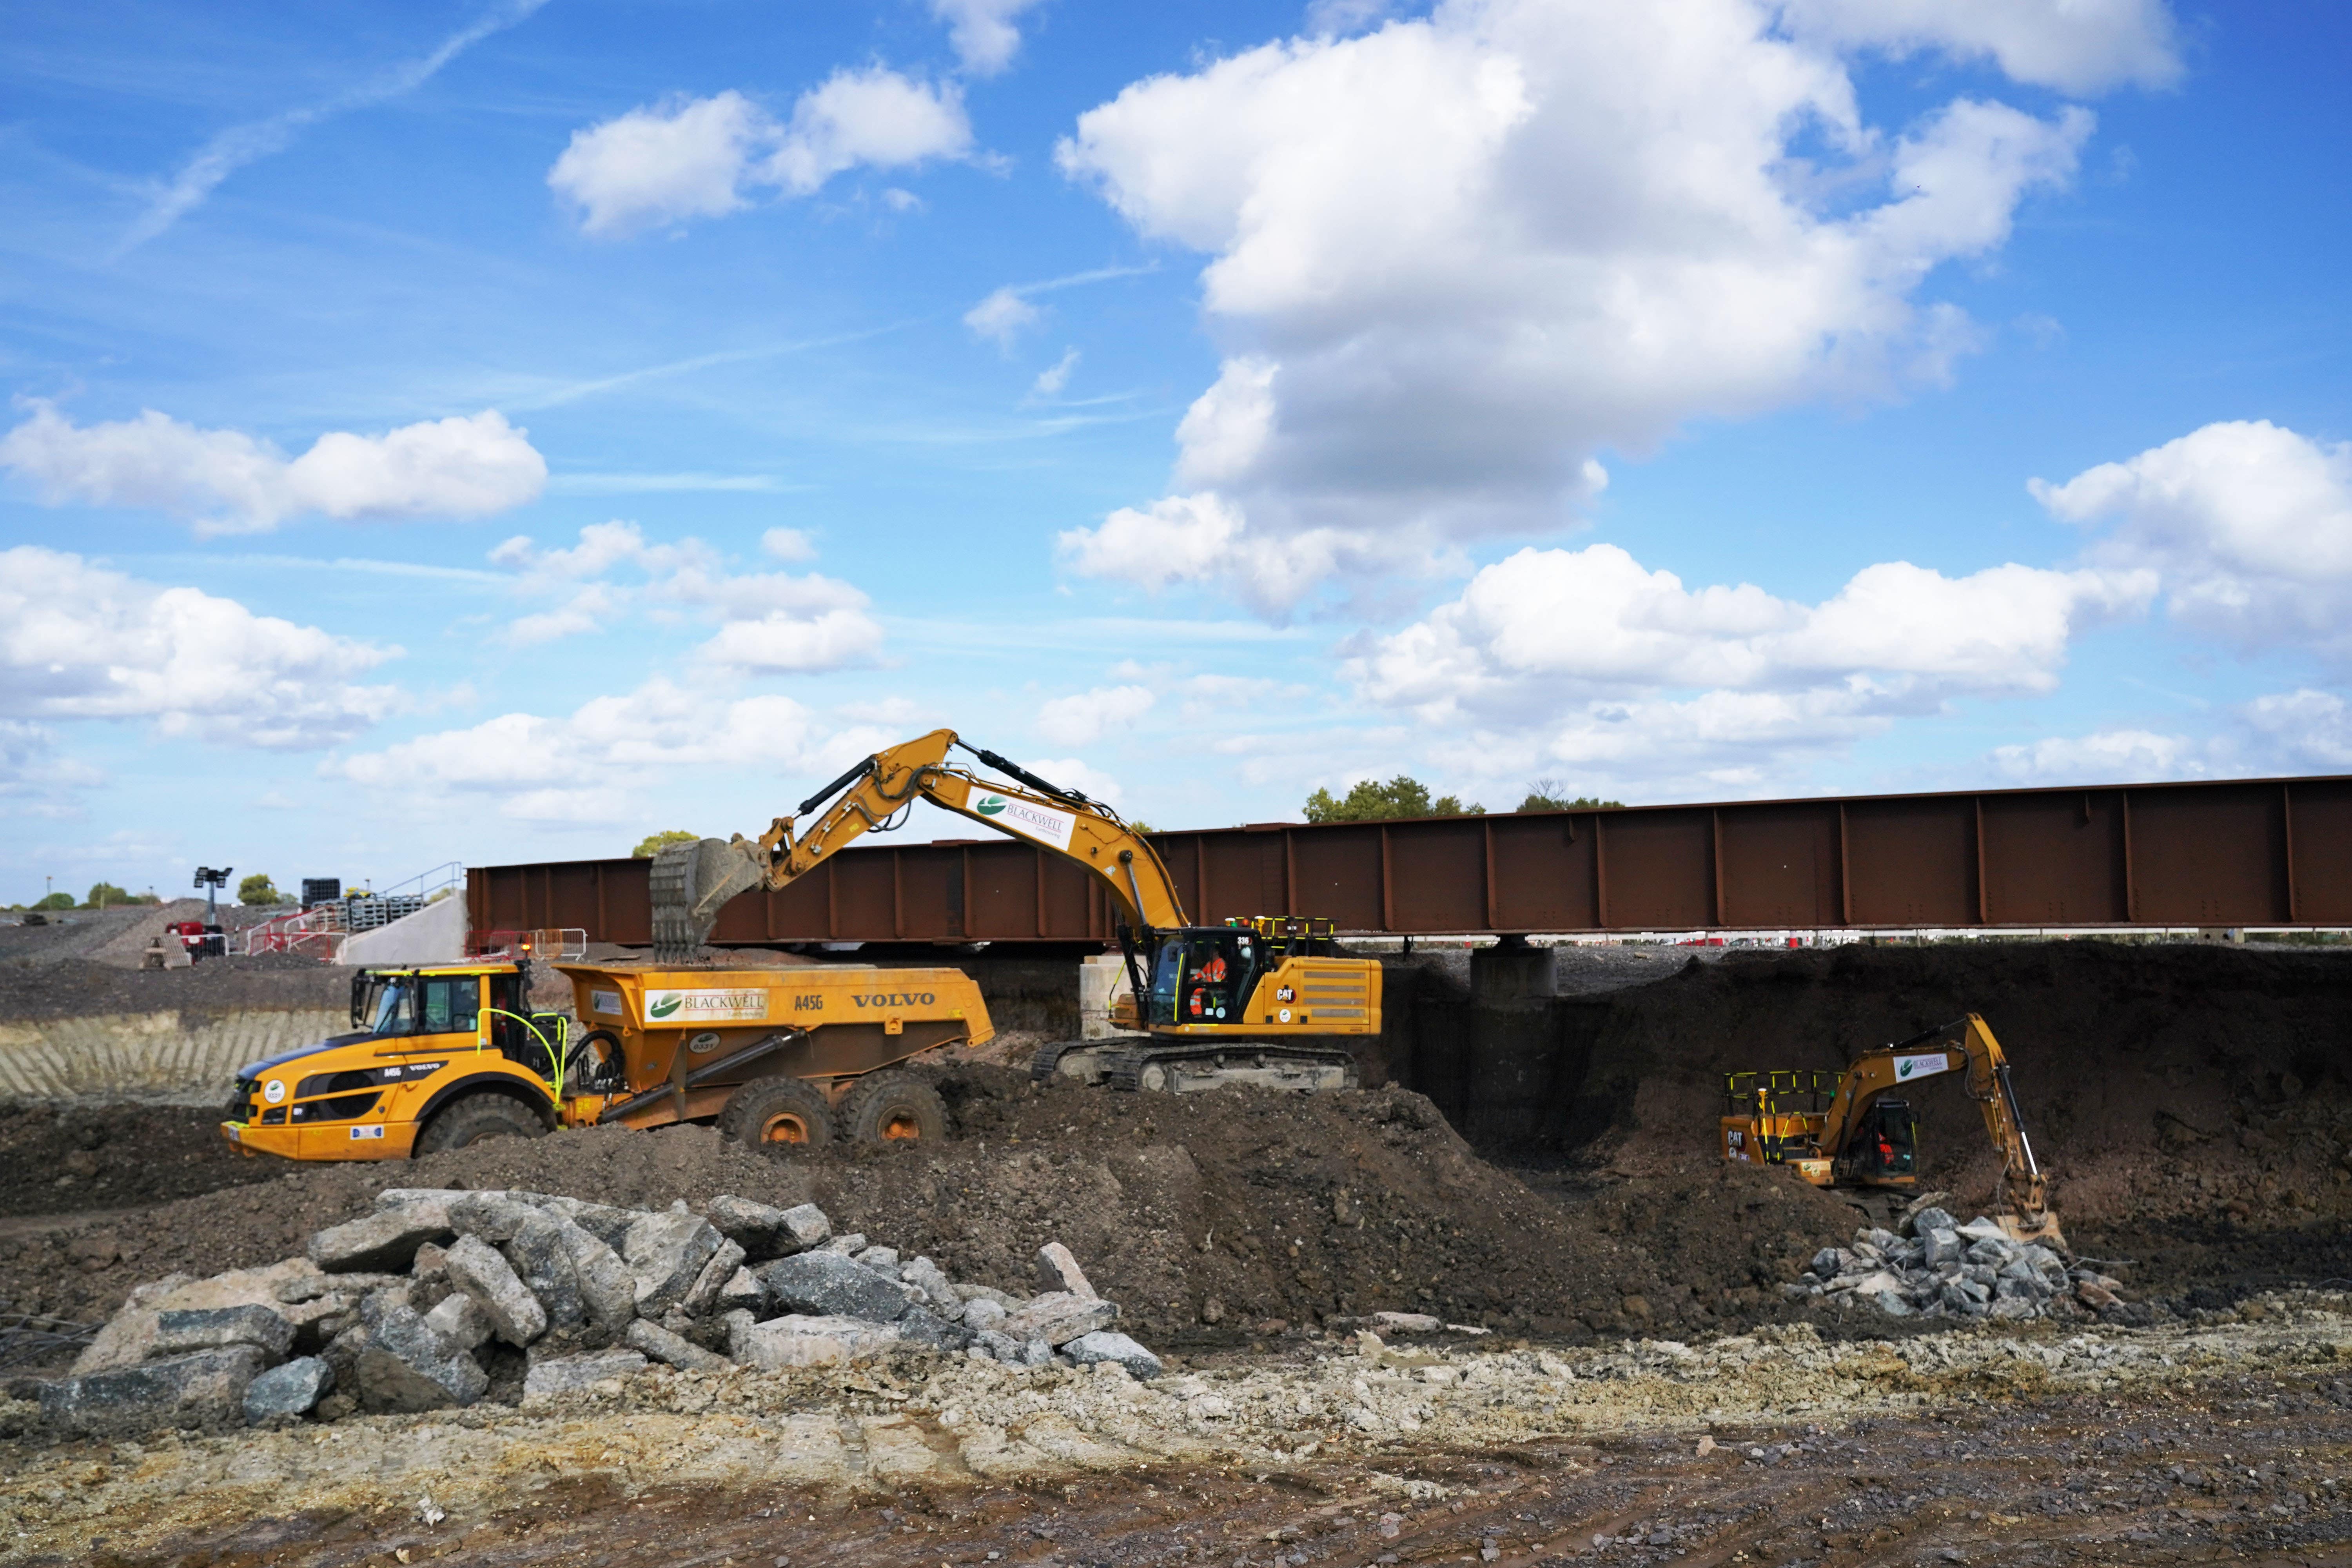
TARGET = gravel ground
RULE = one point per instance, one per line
(2225, 1441)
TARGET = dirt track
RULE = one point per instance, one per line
(2226, 1442)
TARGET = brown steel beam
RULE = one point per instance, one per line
(2260, 852)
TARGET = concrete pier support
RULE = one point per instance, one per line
(1512, 1055)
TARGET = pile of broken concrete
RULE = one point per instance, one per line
(440, 1300)
(1938, 1268)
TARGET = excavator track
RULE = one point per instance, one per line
(1141, 1063)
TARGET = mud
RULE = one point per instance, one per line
(2223, 1441)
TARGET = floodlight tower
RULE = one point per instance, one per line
(212, 881)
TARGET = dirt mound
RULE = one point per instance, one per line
(87, 1155)
(1205, 1214)
(74, 987)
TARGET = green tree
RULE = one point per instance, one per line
(1372, 801)
(652, 844)
(56, 901)
(103, 895)
(1551, 795)
(256, 889)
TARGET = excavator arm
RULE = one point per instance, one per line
(1978, 1055)
(692, 883)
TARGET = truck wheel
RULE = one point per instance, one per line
(777, 1114)
(895, 1107)
(475, 1118)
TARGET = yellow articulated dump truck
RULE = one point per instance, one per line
(441, 1057)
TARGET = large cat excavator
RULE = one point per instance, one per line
(1255, 1001)
(1855, 1132)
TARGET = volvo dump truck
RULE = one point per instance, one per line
(1267, 1000)
(1854, 1131)
(441, 1057)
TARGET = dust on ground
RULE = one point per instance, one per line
(2224, 1440)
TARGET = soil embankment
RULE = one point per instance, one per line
(2189, 1099)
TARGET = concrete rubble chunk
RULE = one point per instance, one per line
(180, 1330)
(602, 1221)
(608, 1291)
(292, 1389)
(764, 1232)
(1103, 1345)
(722, 1267)
(1003, 1299)
(1830, 1262)
(883, 1261)
(816, 1340)
(2095, 1296)
(1983, 1229)
(493, 1217)
(481, 1271)
(741, 1292)
(1058, 1318)
(981, 1314)
(1406, 1323)
(1943, 1248)
(928, 1277)
(460, 1322)
(579, 1374)
(846, 1246)
(1058, 1271)
(542, 1261)
(1928, 1219)
(828, 1284)
(667, 1252)
(402, 1364)
(658, 1343)
(203, 1388)
(384, 1241)
(922, 1326)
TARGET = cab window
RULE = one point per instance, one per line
(451, 1003)
(1202, 977)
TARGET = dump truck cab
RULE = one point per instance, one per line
(422, 1041)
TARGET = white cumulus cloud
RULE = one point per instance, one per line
(230, 482)
(769, 622)
(701, 157)
(2074, 46)
(1085, 717)
(1004, 316)
(2249, 523)
(617, 751)
(982, 31)
(79, 641)
(1588, 661)
(1454, 259)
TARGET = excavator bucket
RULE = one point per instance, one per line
(690, 883)
(2041, 1228)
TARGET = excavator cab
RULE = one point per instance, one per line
(1884, 1149)
(1203, 975)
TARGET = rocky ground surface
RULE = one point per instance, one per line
(2223, 1439)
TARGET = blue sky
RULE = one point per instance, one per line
(492, 432)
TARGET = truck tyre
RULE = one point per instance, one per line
(894, 1108)
(777, 1114)
(475, 1118)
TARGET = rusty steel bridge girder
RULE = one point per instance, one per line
(2271, 852)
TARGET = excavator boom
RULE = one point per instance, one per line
(692, 883)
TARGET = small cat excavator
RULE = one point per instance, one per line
(1856, 1134)
(1252, 1001)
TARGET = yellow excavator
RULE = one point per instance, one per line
(1268, 1000)
(1856, 1134)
